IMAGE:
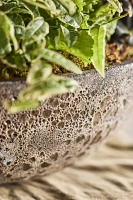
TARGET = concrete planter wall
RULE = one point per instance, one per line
(65, 127)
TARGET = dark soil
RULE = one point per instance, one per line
(9, 73)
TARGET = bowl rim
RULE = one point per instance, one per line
(73, 75)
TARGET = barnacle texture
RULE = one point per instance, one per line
(65, 127)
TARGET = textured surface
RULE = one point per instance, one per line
(105, 175)
(66, 127)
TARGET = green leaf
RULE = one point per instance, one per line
(53, 85)
(19, 31)
(72, 20)
(70, 35)
(71, 7)
(91, 5)
(117, 5)
(102, 15)
(82, 47)
(16, 19)
(39, 71)
(34, 26)
(15, 60)
(47, 5)
(110, 29)
(33, 46)
(19, 106)
(98, 34)
(7, 35)
(29, 97)
(5, 46)
(80, 4)
(59, 59)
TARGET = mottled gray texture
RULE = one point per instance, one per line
(65, 127)
(105, 175)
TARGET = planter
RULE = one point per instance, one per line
(64, 127)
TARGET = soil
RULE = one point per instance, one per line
(115, 54)
(118, 53)
(9, 73)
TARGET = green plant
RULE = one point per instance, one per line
(32, 32)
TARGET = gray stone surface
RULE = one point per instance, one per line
(65, 127)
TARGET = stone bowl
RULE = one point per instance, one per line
(65, 127)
